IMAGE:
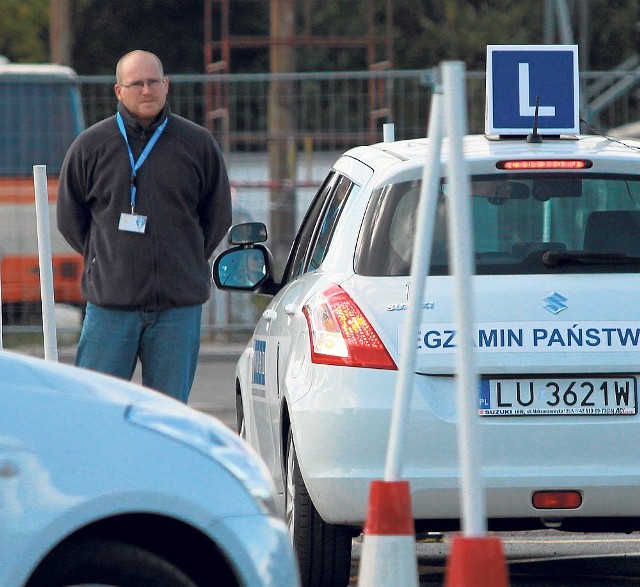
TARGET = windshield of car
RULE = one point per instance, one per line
(522, 224)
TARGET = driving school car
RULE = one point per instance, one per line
(556, 241)
(103, 482)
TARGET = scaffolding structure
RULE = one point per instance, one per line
(290, 30)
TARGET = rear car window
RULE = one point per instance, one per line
(522, 224)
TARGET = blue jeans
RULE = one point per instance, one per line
(166, 342)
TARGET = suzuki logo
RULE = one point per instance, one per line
(555, 303)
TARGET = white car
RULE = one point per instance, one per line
(105, 482)
(556, 238)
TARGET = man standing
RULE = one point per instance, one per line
(144, 196)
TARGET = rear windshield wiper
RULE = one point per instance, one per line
(555, 258)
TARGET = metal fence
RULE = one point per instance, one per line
(335, 109)
(331, 112)
(327, 113)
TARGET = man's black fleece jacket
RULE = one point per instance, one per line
(182, 189)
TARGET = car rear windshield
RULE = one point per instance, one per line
(522, 224)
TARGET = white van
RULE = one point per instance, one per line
(40, 116)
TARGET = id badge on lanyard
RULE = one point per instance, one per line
(132, 222)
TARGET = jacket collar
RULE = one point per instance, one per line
(134, 127)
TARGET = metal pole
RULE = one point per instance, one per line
(46, 267)
(419, 267)
(281, 126)
(564, 22)
(549, 22)
(60, 32)
(461, 257)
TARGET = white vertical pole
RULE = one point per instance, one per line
(421, 259)
(388, 132)
(46, 266)
(461, 256)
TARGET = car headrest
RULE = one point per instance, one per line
(613, 231)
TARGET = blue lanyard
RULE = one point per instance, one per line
(135, 165)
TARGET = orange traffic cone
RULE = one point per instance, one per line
(388, 556)
(476, 562)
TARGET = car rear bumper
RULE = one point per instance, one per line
(341, 433)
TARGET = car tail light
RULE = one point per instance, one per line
(341, 334)
(557, 500)
(534, 164)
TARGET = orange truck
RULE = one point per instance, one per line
(40, 115)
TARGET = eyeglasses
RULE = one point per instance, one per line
(138, 85)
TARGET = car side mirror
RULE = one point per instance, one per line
(242, 268)
(247, 233)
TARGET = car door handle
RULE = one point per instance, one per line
(269, 315)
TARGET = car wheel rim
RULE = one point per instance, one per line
(290, 492)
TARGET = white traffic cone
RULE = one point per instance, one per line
(388, 556)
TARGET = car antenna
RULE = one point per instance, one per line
(534, 137)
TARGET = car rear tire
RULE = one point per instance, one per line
(323, 550)
(106, 562)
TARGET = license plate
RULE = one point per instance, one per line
(609, 396)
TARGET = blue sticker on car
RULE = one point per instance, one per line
(259, 359)
(485, 395)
